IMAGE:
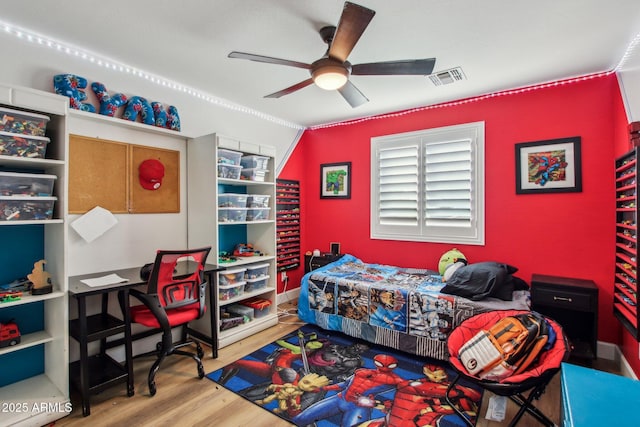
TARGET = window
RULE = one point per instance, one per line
(428, 185)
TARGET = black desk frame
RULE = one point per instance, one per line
(106, 371)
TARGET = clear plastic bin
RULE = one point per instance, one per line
(229, 171)
(258, 201)
(253, 285)
(229, 157)
(26, 208)
(260, 306)
(16, 121)
(231, 276)
(241, 310)
(231, 291)
(232, 214)
(260, 214)
(253, 174)
(256, 271)
(260, 162)
(12, 144)
(229, 200)
(26, 184)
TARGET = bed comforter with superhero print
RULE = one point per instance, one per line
(402, 308)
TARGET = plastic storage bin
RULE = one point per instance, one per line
(260, 306)
(229, 320)
(232, 214)
(16, 121)
(26, 184)
(253, 174)
(260, 162)
(241, 310)
(26, 208)
(256, 271)
(258, 201)
(231, 276)
(260, 214)
(229, 157)
(12, 144)
(229, 171)
(231, 291)
(229, 200)
(253, 285)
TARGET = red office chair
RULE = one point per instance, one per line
(175, 296)
(534, 378)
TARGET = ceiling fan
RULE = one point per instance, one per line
(332, 71)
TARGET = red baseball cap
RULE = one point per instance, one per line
(150, 173)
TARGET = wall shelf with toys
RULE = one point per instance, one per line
(34, 223)
(231, 207)
(625, 292)
(288, 223)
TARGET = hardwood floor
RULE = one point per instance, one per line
(183, 399)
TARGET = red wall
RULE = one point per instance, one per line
(566, 234)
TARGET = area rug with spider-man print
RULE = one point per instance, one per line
(342, 381)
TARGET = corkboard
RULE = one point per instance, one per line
(165, 199)
(105, 173)
(98, 175)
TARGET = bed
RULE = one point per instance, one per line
(402, 308)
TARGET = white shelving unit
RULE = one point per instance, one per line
(38, 398)
(204, 229)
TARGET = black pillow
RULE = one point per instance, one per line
(483, 279)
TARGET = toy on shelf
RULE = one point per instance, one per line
(10, 296)
(9, 334)
(40, 279)
(246, 250)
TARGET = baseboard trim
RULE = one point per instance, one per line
(612, 352)
(288, 296)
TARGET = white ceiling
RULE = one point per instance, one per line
(499, 44)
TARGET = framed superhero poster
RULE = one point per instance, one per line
(551, 166)
(335, 180)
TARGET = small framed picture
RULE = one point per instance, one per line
(551, 166)
(335, 180)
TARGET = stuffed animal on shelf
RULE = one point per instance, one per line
(72, 86)
(139, 105)
(108, 104)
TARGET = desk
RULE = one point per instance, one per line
(93, 374)
(596, 398)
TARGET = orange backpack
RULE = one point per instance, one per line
(507, 348)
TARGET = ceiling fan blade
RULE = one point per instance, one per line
(352, 95)
(269, 60)
(409, 67)
(353, 22)
(290, 89)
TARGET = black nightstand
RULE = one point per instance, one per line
(312, 262)
(574, 304)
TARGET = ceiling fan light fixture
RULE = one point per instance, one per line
(330, 77)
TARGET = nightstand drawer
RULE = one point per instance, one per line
(563, 298)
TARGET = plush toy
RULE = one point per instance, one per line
(138, 105)
(450, 257)
(72, 86)
(108, 104)
(173, 119)
(160, 116)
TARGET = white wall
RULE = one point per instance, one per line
(136, 237)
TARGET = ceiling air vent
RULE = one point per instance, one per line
(447, 76)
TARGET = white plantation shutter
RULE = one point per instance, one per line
(428, 185)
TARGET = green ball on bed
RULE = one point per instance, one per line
(448, 258)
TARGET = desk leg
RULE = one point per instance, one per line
(84, 356)
(128, 342)
(213, 286)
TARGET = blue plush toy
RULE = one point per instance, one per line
(72, 86)
(139, 105)
(173, 119)
(108, 104)
(159, 114)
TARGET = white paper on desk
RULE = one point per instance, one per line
(94, 223)
(110, 279)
